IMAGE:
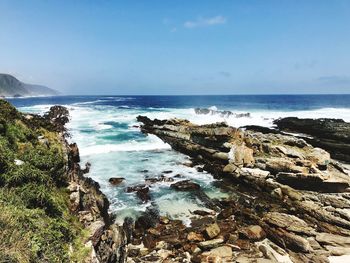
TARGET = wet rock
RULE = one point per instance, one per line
(199, 223)
(87, 168)
(253, 233)
(143, 194)
(202, 212)
(185, 185)
(225, 213)
(135, 188)
(148, 219)
(116, 180)
(212, 231)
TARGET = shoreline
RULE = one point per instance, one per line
(293, 182)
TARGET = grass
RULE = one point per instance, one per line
(35, 223)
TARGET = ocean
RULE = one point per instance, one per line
(109, 137)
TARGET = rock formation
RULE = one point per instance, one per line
(332, 135)
(289, 201)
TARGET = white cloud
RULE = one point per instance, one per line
(203, 22)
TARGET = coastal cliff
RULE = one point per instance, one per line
(51, 212)
(290, 201)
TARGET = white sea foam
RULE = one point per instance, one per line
(153, 144)
(127, 157)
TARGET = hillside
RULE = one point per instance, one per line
(12, 87)
(50, 212)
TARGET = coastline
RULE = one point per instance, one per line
(235, 228)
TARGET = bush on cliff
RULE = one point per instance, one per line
(35, 223)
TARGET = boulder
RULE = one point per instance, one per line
(212, 230)
(116, 180)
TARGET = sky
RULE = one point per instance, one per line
(178, 47)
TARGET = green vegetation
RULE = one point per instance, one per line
(35, 223)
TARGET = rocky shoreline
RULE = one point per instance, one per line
(290, 201)
(105, 240)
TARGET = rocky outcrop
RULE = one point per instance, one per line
(282, 188)
(332, 135)
(105, 240)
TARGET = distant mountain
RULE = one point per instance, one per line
(12, 87)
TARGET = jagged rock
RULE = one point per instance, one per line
(212, 230)
(95, 231)
(193, 236)
(241, 155)
(288, 222)
(329, 134)
(185, 185)
(149, 241)
(211, 243)
(74, 153)
(273, 175)
(143, 194)
(87, 168)
(253, 232)
(148, 219)
(225, 213)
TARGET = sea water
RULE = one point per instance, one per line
(109, 137)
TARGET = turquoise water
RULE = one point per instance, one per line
(108, 136)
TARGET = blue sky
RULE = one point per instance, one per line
(178, 47)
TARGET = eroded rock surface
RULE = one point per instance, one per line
(331, 134)
(287, 193)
